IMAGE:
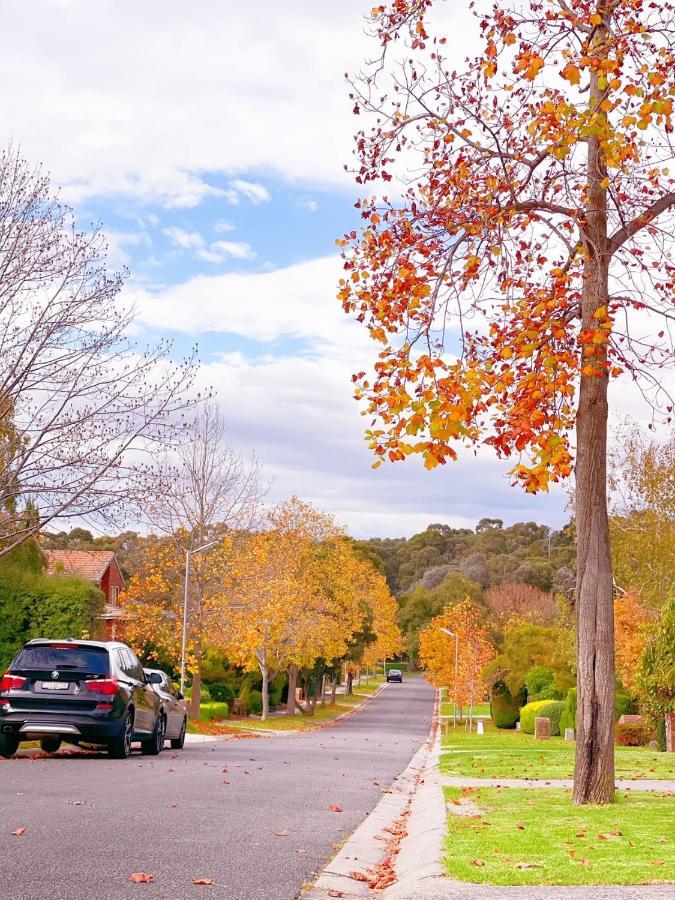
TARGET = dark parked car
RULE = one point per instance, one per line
(395, 675)
(83, 692)
(172, 708)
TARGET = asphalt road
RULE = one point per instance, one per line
(209, 811)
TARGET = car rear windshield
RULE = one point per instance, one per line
(92, 660)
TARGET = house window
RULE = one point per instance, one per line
(114, 594)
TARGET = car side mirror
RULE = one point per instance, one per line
(154, 678)
(180, 695)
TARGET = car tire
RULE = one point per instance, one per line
(156, 743)
(9, 744)
(120, 746)
(50, 745)
(179, 742)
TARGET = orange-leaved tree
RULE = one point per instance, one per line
(524, 262)
(474, 651)
(632, 620)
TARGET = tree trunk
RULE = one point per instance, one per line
(196, 692)
(323, 689)
(265, 692)
(594, 766)
(350, 682)
(292, 685)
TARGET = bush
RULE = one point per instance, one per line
(210, 711)
(633, 734)
(568, 719)
(551, 709)
(255, 702)
(504, 706)
(245, 696)
(538, 680)
(204, 695)
(277, 686)
(623, 706)
(221, 692)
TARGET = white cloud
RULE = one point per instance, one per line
(311, 205)
(256, 193)
(149, 99)
(186, 240)
(222, 225)
(236, 249)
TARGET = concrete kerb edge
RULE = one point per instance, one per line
(419, 850)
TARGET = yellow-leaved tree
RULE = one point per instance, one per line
(467, 686)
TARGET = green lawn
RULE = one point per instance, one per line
(537, 837)
(512, 754)
(326, 713)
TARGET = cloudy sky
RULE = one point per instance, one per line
(209, 140)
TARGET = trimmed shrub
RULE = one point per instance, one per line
(568, 719)
(221, 692)
(255, 702)
(551, 709)
(504, 706)
(633, 734)
(245, 696)
(210, 711)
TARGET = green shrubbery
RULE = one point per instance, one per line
(633, 734)
(550, 709)
(568, 719)
(222, 692)
(255, 703)
(210, 711)
(505, 707)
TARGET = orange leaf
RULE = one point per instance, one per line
(335, 808)
(141, 878)
(202, 881)
(477, 862)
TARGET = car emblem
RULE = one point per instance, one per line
(55, 674)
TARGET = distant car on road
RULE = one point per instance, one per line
(395, 675)
(173, 709)
(82, 692)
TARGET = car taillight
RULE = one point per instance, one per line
(106, 686)
(11, 682)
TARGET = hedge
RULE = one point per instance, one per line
(550, 709)
(209, 711)
(504, 706)
(633, 734)
(568, 719)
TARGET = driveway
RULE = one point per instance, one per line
(252, 814)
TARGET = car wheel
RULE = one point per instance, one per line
(50, 745)
(9, 744)
(178, 743)
(120, 746)
(156, 743)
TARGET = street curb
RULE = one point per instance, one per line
(365, 850)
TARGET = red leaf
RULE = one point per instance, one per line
(477, 862)
(334, 893)
(281, 833)
(19, 832)
(202, 881)
(335, 808)
(141, 878)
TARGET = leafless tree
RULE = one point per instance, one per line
(206, 491)
(82, 408)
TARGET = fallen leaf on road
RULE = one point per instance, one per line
(301, 850)
(333, 893)
(281, 833)
(477, 862)
(141, 878)
(202, 881)
(529, 865)
(19, 832)
(335, 808)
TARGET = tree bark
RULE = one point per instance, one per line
(594, 767)
(350, 682)
(292, 685)
(323, 689)
(265, 672)
(196, 692)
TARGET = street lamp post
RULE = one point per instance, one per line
(454, 702)
(188, 556)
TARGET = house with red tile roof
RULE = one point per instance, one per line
(101, 567)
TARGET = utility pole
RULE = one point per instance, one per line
(188, 556)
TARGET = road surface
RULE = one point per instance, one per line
(211, 811)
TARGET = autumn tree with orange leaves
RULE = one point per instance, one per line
(523, 264)
(475, 651)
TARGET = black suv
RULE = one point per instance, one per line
(83, 692)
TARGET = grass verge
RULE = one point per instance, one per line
(525, 837)
(513, 754)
